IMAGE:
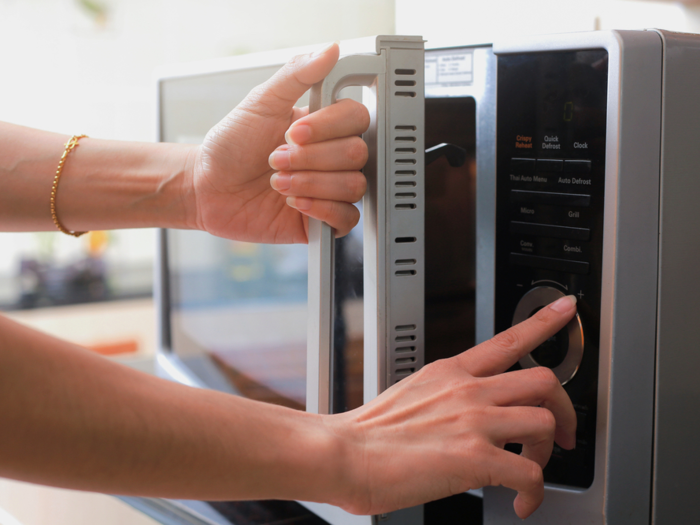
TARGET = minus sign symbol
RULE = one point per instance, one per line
(519, 285)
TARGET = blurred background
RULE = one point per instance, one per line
(86, 66)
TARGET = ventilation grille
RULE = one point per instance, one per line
(405, 357)
(405, 195)
(405, 157)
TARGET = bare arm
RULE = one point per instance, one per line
(75, 420)
(70, 418)
(105, 184)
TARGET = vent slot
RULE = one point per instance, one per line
(405, 83)
(405, 139)
(405, 161)
(405, 371)
(405, 338)
(400, 262)
(409, 94)
(405, 273)
(405, 150)
(406, 195)
(405, 360)
(401, 240)
(404, 327)
(404, 173)
(405, 71)
(405, 128)
(403, 349)
(405, 207)
(405, 184)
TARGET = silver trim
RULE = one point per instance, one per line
(620, 492)
(677, 401)
(543, 296)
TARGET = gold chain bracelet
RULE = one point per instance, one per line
(70, 146)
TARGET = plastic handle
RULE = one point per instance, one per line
(354, 70)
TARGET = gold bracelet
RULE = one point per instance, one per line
(70, 146)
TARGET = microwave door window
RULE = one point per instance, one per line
(450, 225)
(238, 311)
(238, 315)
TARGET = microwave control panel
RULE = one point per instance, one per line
(550, 174)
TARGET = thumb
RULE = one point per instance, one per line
(278, 95)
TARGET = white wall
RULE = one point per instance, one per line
(453, 22)
(65, 71)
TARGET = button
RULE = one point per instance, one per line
(577, 166)
(568, 354)
(548, 197)
(550, 164)
(522, 165)
(549, 230)
(549, 263)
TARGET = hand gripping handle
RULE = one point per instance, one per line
(393, 296)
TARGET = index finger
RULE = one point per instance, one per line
(345, 118)
(505, 349)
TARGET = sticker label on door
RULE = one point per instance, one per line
(450, 68)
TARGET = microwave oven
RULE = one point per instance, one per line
(577, 177)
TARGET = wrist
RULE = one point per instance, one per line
(178, 189)
(347, 483)
(112, 184)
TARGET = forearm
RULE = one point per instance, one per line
(105, 184)
(73, 419)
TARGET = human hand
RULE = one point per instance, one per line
(442, 430)
(231, 188)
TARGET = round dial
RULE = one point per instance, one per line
(563, 351)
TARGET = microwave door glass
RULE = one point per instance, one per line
(236, 315)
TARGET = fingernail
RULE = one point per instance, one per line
(279, 159)
(564, 304)
(299, 203)
(298, 134)
(281, 181)
(322, 51)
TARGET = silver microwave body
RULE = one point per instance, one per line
(647, 398)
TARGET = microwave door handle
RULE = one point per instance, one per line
(353, 70)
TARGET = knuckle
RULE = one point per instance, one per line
(361, 116)
(545, 376)
(301, 158)
(547, 421)
(357, 185)
(478, 447)
(357, 152)
(533, 474)
(353, 218)
(333, 211)
(437, 368)
(301, 185)
(508, 340)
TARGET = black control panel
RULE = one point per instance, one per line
(549, 221)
